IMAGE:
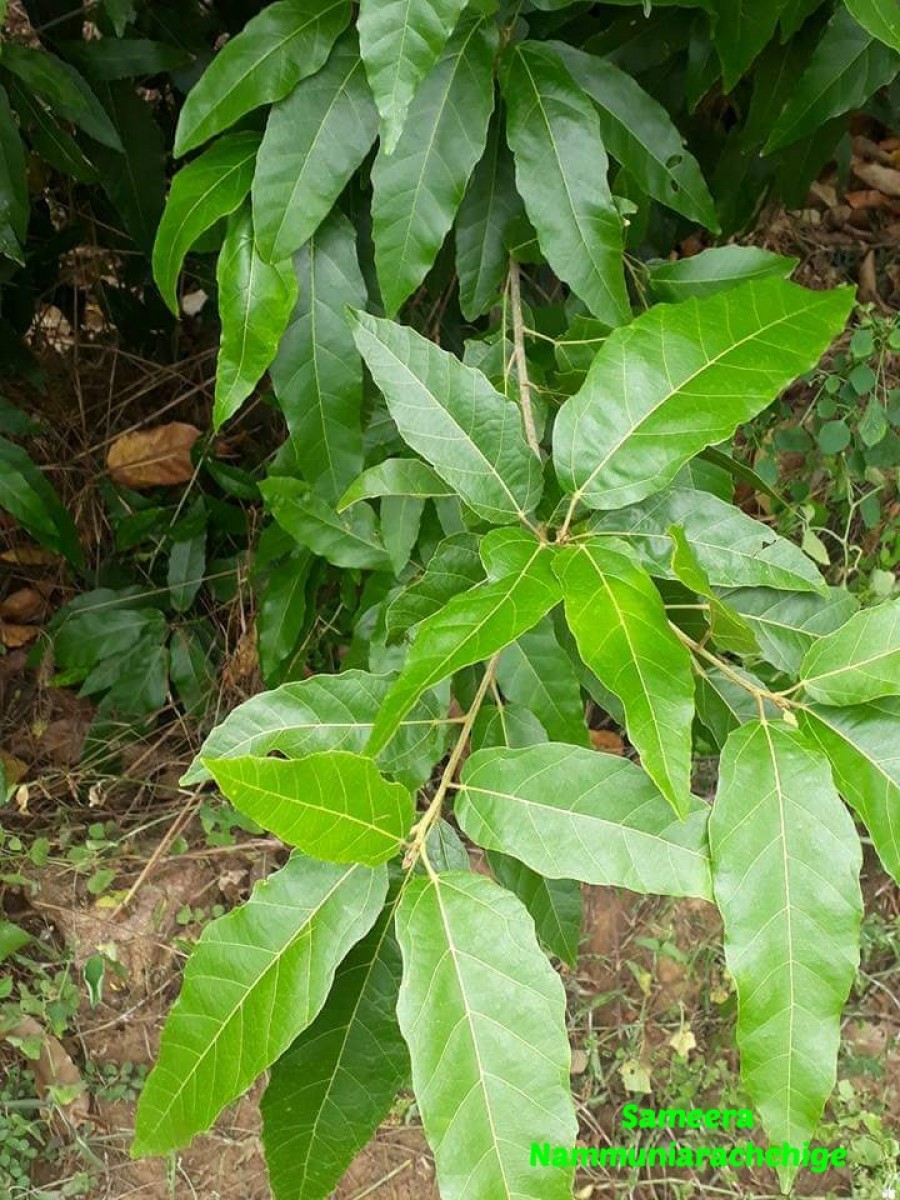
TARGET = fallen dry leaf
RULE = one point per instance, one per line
(14, 636)
(153, 457)
(54, 1068)
(876, 175)
(867, 292)
(29, 556)
(869, 198)
(21, 606)
(13, 768)
(607, 741)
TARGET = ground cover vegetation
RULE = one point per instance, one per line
(496, 447)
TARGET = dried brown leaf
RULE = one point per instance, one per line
(21, 606)
(153, 457)
(14, 636)
(607, 740)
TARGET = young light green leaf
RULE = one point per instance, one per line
(333, 805)
(27, 496)
(490, 203)
(419, 185)
(846, 68)
(401, 40)
(395, 477)
(257, 978)
(470, 628)
(572, 813)
(860, 661)
(732, 548)
(620, 627)
(317, 374)
(283, 44)
(715, 270)
(207, 189)
(537, 673)
(555, 905)
(315, 139)
(639, 134)
(786, 863)
(861, 745)
(742, 30)
(881, 18)
(255, 304)
(328, 712)
(682, 377)
(453, 568)
(328, 1094)
(786, 626)
(557, 141)
(350, 539)
(64, 90)
(478, 992)
(454, 418)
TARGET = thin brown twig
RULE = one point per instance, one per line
(515, 296)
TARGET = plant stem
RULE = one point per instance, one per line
(515, 295)
(759, 694)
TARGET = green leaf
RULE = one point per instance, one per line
(401, 41)
(785, 627)
(682, 377)
(256, 979)
(571, 813)
(555, 905)
(556, 137)
(255, 304)
(741, 31)
(401, 522)
(639, 134)
(64, 90)
(208, 188)
(334, 805)
(317, 374)
(847, 67)
(14, 204)
(187, 566)
(451, 415)
(48, 138)
(419, 185)
(470, 628)
(192, 668)
(490, 203)
(537, 673)
(860, 661)
(723, 705)
(134, 181)
(12, 939)
(281, 613)
(786, 863)
(103, 623)
(27, 496)
(861, 745)
(623, 636)
(328, 1094)
(453, 568)
(328, 712)
(395, 477)
(727, 628)
(283, 44)
(715, 270)
(349, 539)
(315, 139)
(108, 59)
(733, 549)
(121, 13)
(881, 18)
(479, 993)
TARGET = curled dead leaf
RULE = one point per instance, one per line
(21, 606)
(884, 179)
(153, 457)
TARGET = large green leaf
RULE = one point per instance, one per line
(715, 270)
(451, 415)
(785, 626)
(408, 477)
(317, 373)
(347, 539)
(682, 377)
(846, 68)
(555, 905)
(862, 747)
(537, 673)
(556, 137)
(27, 496)
(419, 186)
(571, 813)
(470, 628)
(401, 40)
(333, 805)
(733, 549)
(64, 90)
(742, 29)
(639, 134)
(327, 712)
(881, 18)
(255, 304)
(786, 862)
(860, 661)
(277, 48)
(134, 181)
(315, 139)
(490, 203)
(48, 138)
(255, 980)
(14, 207)
(483, 1013)
(620, 626)
(207, 189)
(453, 568)
(327, 1095)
